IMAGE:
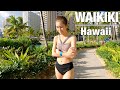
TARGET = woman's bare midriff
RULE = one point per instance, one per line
(63, 60)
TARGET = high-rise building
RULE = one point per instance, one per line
(49, 17)
(51, 20)
(71, 24)
(45, 18)
(60, 13)
(32, 18)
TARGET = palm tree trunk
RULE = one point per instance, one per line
(118, 33)
(84, 39)
(43, 29)
(114, 33)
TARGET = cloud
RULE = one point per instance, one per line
(4, 14)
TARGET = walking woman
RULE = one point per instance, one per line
(64, 48)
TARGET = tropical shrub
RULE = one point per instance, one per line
(110, 52)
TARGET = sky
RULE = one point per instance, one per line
(5, 14)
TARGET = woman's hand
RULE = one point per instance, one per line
(72, 52)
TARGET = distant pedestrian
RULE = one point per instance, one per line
(107, 39)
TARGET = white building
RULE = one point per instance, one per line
(32, 18)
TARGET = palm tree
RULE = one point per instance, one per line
(21, 24)
(15, 26)
(11, 28)
(43, 29)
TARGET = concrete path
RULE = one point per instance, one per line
(89, 66)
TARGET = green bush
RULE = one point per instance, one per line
(87, 45)
(111, 44)
(111, 54)
(16, 43)
(34, 59)
(35, 41)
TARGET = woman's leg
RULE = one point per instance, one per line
(58, 74)
(69, 74)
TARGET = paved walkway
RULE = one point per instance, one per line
(89, 66)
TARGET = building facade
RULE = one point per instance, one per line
(32, 19)
(50, 18)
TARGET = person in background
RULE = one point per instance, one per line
(107, 39)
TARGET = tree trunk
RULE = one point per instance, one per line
(84, 39)
(43, 29)
(118, 34)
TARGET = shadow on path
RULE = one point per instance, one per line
(88, 66)
(87, 72)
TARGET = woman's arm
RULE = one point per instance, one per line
(73, 45)
(72, 52)
(54, 52)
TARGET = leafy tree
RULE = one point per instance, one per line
(15, 27)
